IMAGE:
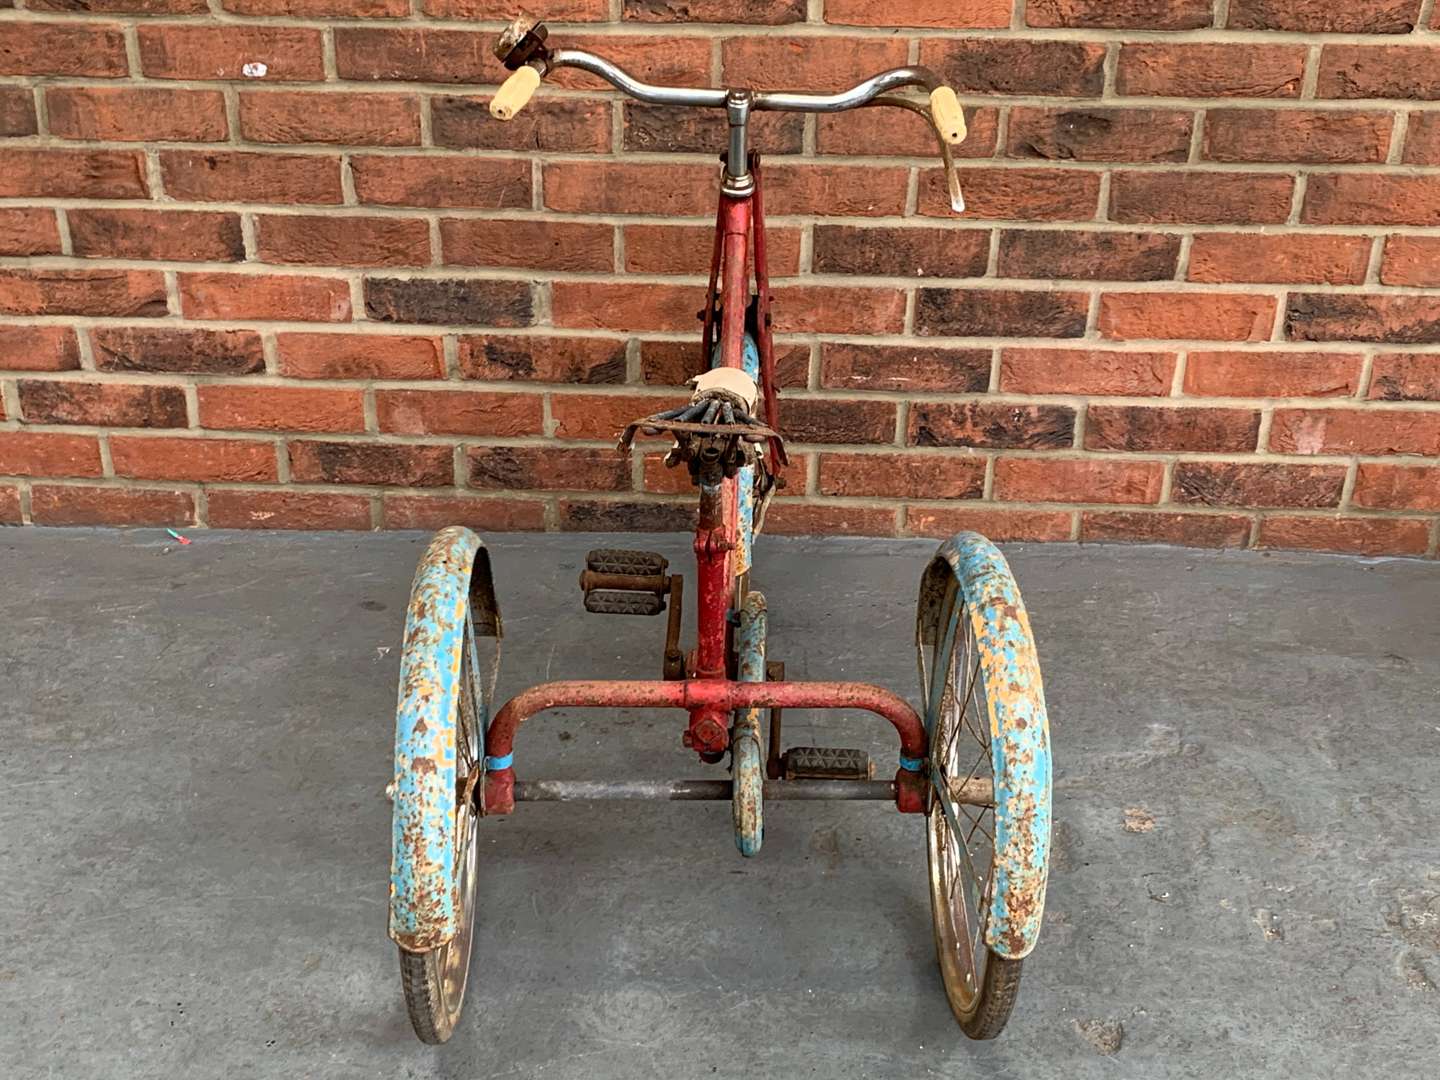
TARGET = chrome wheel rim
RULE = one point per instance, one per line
(454, 958)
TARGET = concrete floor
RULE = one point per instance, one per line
(194, 841)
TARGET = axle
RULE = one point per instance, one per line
(976, 792)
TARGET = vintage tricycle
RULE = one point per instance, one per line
(974, 759)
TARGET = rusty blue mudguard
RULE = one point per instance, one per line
(1019, 732)
(453, 589)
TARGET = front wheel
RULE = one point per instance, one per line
(987, 827)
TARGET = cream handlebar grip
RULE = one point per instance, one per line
(516, 93)
(949, 117)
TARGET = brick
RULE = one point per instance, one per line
(359, 356)
(1227, 69)
(665, 59)
(200, 352)
(450, 180)
(356, 356)
(578, 515)
(221, 51)
(1000, 525)
(1405, 377)
(347, 119)
(1088, 256)
(602, 416)
(1422, 139)
(38, 348)
(763, 12)
(991, 424)
(1145, 427)
(322, 240)
(871, 132)
(566, 125)
(294, 297)
(547, 468)
(686, 249)
(63, 48)
(1009, 66)
(34, 453)
(506, 514)
(791, 518)
(1000, 313)
(281, 408)
(173, 235)
(1272, 374)
(28, 231)
(1078, 480)
(819, 309)
(813, 420)
(819, 64)
(1014, 194)
(53, 504)
(1196, 316)
(278, 509)
(418, 55)
(1120, 14)
(1302, 258)
(451, 301)
(458, 412)
(1379, 71)
(665, 129)
(1396, 487)
(556, 11)
(130, 114)
(901, 252)
(73, 174)
(903, 476)
(631, 306)
(1304, 136)
(102, 404)
(1187, 530)
(1201, 198)
(1411, 260)
(1395, 320)
(1086, 371)
(1370, 199)
(849, 190)
(234, 176)
(131, 293)
(1225, 483)
(1353, 535)
(543, 245)
(1319, 17)
(137, 7)
(311, 9)
(10, 506)
(193, 460)
(17, 112)
(941, 14)
(542, 359)
(619, 187)
(1073, 134)
(368, 463)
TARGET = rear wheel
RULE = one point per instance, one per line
(980, 985)
(434, 981)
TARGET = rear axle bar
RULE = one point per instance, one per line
(976, 792)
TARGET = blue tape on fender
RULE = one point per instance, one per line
(911, 764)
(493, 764)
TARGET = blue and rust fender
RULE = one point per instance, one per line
(453, 592)
(1019, 728)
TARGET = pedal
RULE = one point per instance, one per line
(618, 582)
(827, 763)
(615, 602)
(620, 561)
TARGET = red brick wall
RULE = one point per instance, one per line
(1196, 297)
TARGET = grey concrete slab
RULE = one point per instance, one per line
(194, 841)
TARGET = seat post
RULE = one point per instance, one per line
(739, 183)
